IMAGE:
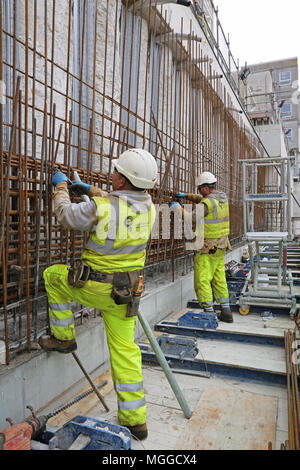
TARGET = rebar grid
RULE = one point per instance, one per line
(84, 81)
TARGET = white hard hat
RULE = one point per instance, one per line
(138, 166)
(206, 178)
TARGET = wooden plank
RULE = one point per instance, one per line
(244, 355)
(229, 419)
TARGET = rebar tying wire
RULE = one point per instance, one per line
(75, 400)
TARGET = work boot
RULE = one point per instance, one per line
(49, 343)
(139, 431)
(226, 315)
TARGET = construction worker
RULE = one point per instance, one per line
(108, 274)
(209, 269)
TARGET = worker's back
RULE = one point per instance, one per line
(118, 242)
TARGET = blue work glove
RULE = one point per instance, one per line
(80, 188)
(58, 177)
(174, 204)
(182, 195)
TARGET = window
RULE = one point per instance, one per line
(285, 78)
(286, 110)
(289, 134)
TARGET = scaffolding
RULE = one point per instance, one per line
(266, 272)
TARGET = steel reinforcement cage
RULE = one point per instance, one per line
(83, 81)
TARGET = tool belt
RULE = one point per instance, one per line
(127, 289)
(212, 250)
(127, 286)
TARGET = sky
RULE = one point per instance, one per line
(261, 30)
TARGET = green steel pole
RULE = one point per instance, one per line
(165, 366)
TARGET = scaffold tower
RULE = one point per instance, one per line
(270, 282)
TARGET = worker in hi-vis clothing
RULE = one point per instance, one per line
(108, 275)
(209, 268)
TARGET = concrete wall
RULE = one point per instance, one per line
(174, 15)
(60, 57)
(273, 138)
(108, 75)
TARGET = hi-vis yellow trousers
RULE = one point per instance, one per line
(209, 278)
(125, 355)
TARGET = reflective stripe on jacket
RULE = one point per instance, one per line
(119, 240)
(216, 222)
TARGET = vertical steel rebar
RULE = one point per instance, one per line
(183, 115)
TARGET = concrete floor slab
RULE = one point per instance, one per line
(167, 425)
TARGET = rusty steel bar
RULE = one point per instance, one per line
(81, 83)
(122, 74)
(112, 122)
(94, 84)
(38, 225)
(67, 79)
(33, 79)
(90, 381)
(11, 145)
(191, 130)
(104, 88)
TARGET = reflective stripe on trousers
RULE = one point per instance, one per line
(61, 320)
(222, 301)
(130, 387)
(132, 404)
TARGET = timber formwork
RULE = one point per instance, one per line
(84, 81)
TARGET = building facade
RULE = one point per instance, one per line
(273, 104)
(284, 75)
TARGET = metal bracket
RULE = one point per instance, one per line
(206, 321)
(103, 435)
(180, 346)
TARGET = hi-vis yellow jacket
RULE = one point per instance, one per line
(118, 241)
(119, 226)
(216, 222)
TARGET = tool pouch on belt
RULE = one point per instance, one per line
(78, 273)
(126, 288)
